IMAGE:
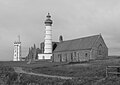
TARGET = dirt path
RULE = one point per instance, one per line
(20, 70)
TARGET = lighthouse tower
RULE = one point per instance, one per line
(47, 40)
(48, 35)
(17, 50)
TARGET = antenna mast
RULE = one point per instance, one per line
(18, 38)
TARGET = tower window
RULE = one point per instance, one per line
(43, 57)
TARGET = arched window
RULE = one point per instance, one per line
(100, 49)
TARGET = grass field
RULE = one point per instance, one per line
(90, 69)
(84, 73)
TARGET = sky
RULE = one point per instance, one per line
(71, 19)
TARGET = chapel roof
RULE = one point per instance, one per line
(77, 44)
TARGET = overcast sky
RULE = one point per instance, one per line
(72, 19)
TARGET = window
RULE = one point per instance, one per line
(78, 57)
(86, 54)
(66, 57)
(65, 54)
(43, 57)
(60, 57)
(75, 54)
(100, 49)
(71, 56)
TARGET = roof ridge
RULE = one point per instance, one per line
(81, 38)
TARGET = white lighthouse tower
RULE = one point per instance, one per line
(47, 40)
(17, 50)
(48, 35)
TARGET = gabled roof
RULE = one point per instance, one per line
(77, 44)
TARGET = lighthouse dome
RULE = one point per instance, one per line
(48, 21)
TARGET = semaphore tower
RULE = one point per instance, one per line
(17, 50)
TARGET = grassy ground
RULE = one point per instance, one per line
(32, 65)
(89, 69)
(86, 73)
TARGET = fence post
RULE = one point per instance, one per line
(106, 71)
(118, 70)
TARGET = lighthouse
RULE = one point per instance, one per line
(47, 39)
(17, 50)
(48, 35)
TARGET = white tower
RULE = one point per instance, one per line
(48, 40)
(48, 35)
(17, 50)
